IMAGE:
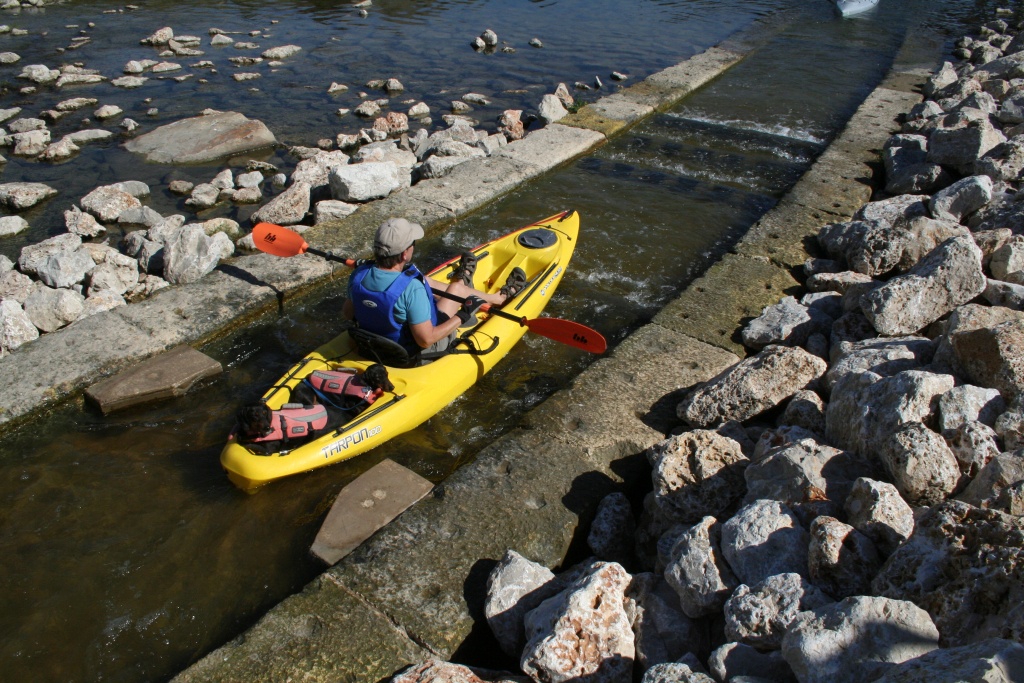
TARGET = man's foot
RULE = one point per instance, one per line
(465, 269)
(515, 283)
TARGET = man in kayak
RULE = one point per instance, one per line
(391, 298)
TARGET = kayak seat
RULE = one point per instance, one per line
(381, 349)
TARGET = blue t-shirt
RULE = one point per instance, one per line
(412, 307)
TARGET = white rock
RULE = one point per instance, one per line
(857, 639)
(16, 327)
(595, 605)
(12, 225)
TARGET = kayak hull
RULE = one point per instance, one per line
(419, 392)
(851, 7)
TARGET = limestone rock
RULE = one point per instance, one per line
(991, 357)
(877, 510)
(65, 268)
(948, 277)
(964, 319)
(107, 202)
(287, 208)
(435, 671)
(363, 182)
(12, 225)
(332, 211)
(583, 632)
(697, 473)
(612, 531)
(1004, 162)
(805, 471)
(82, 224)
(676, 672)
(865, 408)
(974, 444)
(551, 109)
(995, 660)
(884, 356)
(202, 139)
(316, 170)
(921, 465)
(281, 52)
(762, 539)
(787, 322)
(807, 410)
(841, 560)
(663, 633)
(1007, 262)
(16, 327)
(15, 286)
(751, 387)
(510, 124)
(21, 196)
(993, 487)
(50, 309)
(734, 660)
(110, 277)
(697, 571)
(965, 566)
(203, 196)
(841, 282)
(35, 255)
(514, 587)
(857, 639)
(190, 256)
(759, 615)
(959, 148)
(961, 199)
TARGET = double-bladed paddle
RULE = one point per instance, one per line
(278, 240)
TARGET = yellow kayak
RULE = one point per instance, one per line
(542, 250)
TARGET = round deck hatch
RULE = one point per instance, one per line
(538, 238)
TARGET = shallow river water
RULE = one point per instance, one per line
(127, 553)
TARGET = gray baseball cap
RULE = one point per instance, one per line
(395, 235)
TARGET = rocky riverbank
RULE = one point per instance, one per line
(118, 250)
(845, 503)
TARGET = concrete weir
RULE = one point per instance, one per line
(415, 590)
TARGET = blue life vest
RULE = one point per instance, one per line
(375, 311)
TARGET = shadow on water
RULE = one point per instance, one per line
(128, 554)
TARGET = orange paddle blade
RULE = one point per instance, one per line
(568, 332)
(278, 241)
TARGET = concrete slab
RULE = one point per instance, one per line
(353, 235)
(475, 183)
(41, 373)
(365, 506)
(716, 306)
(551, 146)
(612, 114)
(321, 634)
(169, 374)
(877, 118)
(685, 77)
(787, 235)
(836, 185)
(618, 405)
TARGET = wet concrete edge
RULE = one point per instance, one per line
(424, 576)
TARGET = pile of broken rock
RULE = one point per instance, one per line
(845, 504)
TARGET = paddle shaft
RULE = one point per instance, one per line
(486, 308)
(280, 241)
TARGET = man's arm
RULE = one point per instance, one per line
(426, 333)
